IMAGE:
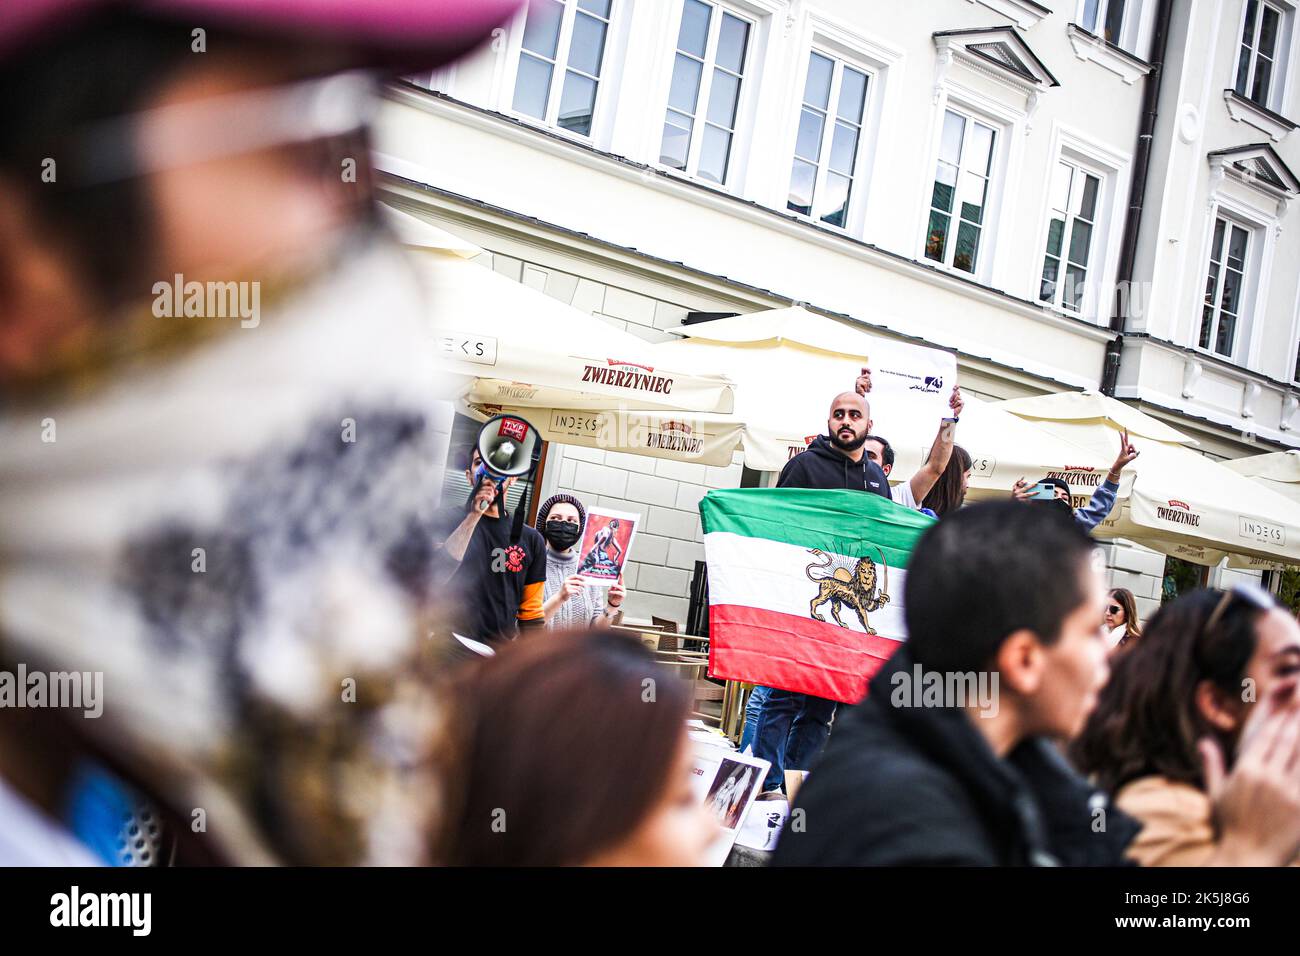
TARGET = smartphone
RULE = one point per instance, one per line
(1043, 491)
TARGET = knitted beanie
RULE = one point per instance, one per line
(554, 500)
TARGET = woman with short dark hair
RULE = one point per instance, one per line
(570, 750)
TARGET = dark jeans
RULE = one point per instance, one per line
(753, 707)
(791, 731)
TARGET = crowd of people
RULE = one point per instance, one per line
(238, 531)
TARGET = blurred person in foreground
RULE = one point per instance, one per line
(1121, 621)
(951, 759)
(1212, 671)
(570, 750)
(219, 425)
(569, 600)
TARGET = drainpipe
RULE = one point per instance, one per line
(1122, 304)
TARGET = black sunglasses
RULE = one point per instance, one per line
(1114, 609)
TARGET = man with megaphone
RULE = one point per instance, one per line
(500, 571)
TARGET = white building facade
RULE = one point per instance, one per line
(957, 172)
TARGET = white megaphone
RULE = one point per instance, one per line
(508, 447)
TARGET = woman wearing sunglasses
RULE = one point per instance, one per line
(1208, 693)
(1121, 619)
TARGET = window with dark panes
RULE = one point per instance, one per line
(1258, 56)
(1105, 18)
(1224, 287)
(560, 60)
(1072, 219)
(704, 95)
(828, 140)
(959, 198)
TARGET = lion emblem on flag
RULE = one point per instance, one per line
(842, 582)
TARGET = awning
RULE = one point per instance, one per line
(788, 365)
(501, 344)
(1172, 499)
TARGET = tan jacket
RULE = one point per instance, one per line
(1177, 822)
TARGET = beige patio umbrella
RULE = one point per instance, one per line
(1175, 498)
(788, 364)
(502, 345)
(1277, 471)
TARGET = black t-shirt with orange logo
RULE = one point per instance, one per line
(499, 585)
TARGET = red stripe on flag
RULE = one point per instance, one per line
(793, 653)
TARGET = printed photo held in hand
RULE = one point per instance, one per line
(606, 543)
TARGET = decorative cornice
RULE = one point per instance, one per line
(1090, 47)
(1244, 110)
(1024, 13)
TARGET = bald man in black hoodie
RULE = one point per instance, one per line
(792, 728)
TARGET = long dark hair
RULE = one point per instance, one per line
(1146, 720)
(1132, 630)
(556, 749)
(947, 494)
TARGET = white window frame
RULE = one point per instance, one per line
(748, 81)
(1248, 278)
(606, 87)
(861, 165)
(1074, 146)
(1078, 170)
(1008, 126)
(1282, 54)
(1258, 253)
(1131, 23)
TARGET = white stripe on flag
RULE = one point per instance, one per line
(772, 576)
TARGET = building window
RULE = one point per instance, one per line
(1073, 218)
(560, 60)
(1224, 287)
(959, 200)
(826, 147)
(1257, 66)
(1104, 18)
(704, 99)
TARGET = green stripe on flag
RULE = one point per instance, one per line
(840, 521)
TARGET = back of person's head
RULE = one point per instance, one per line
(558, 749)
(1148, 719)
(987, 571)
(949, 492)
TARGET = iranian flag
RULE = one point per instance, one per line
(784, 564)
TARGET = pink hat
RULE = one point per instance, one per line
(398, 34)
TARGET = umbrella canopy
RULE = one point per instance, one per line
(505, 343)
(1175, 498)
(788, 365)
(1279, 471)
(503, 346)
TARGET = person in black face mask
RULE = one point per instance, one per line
(568, 600)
